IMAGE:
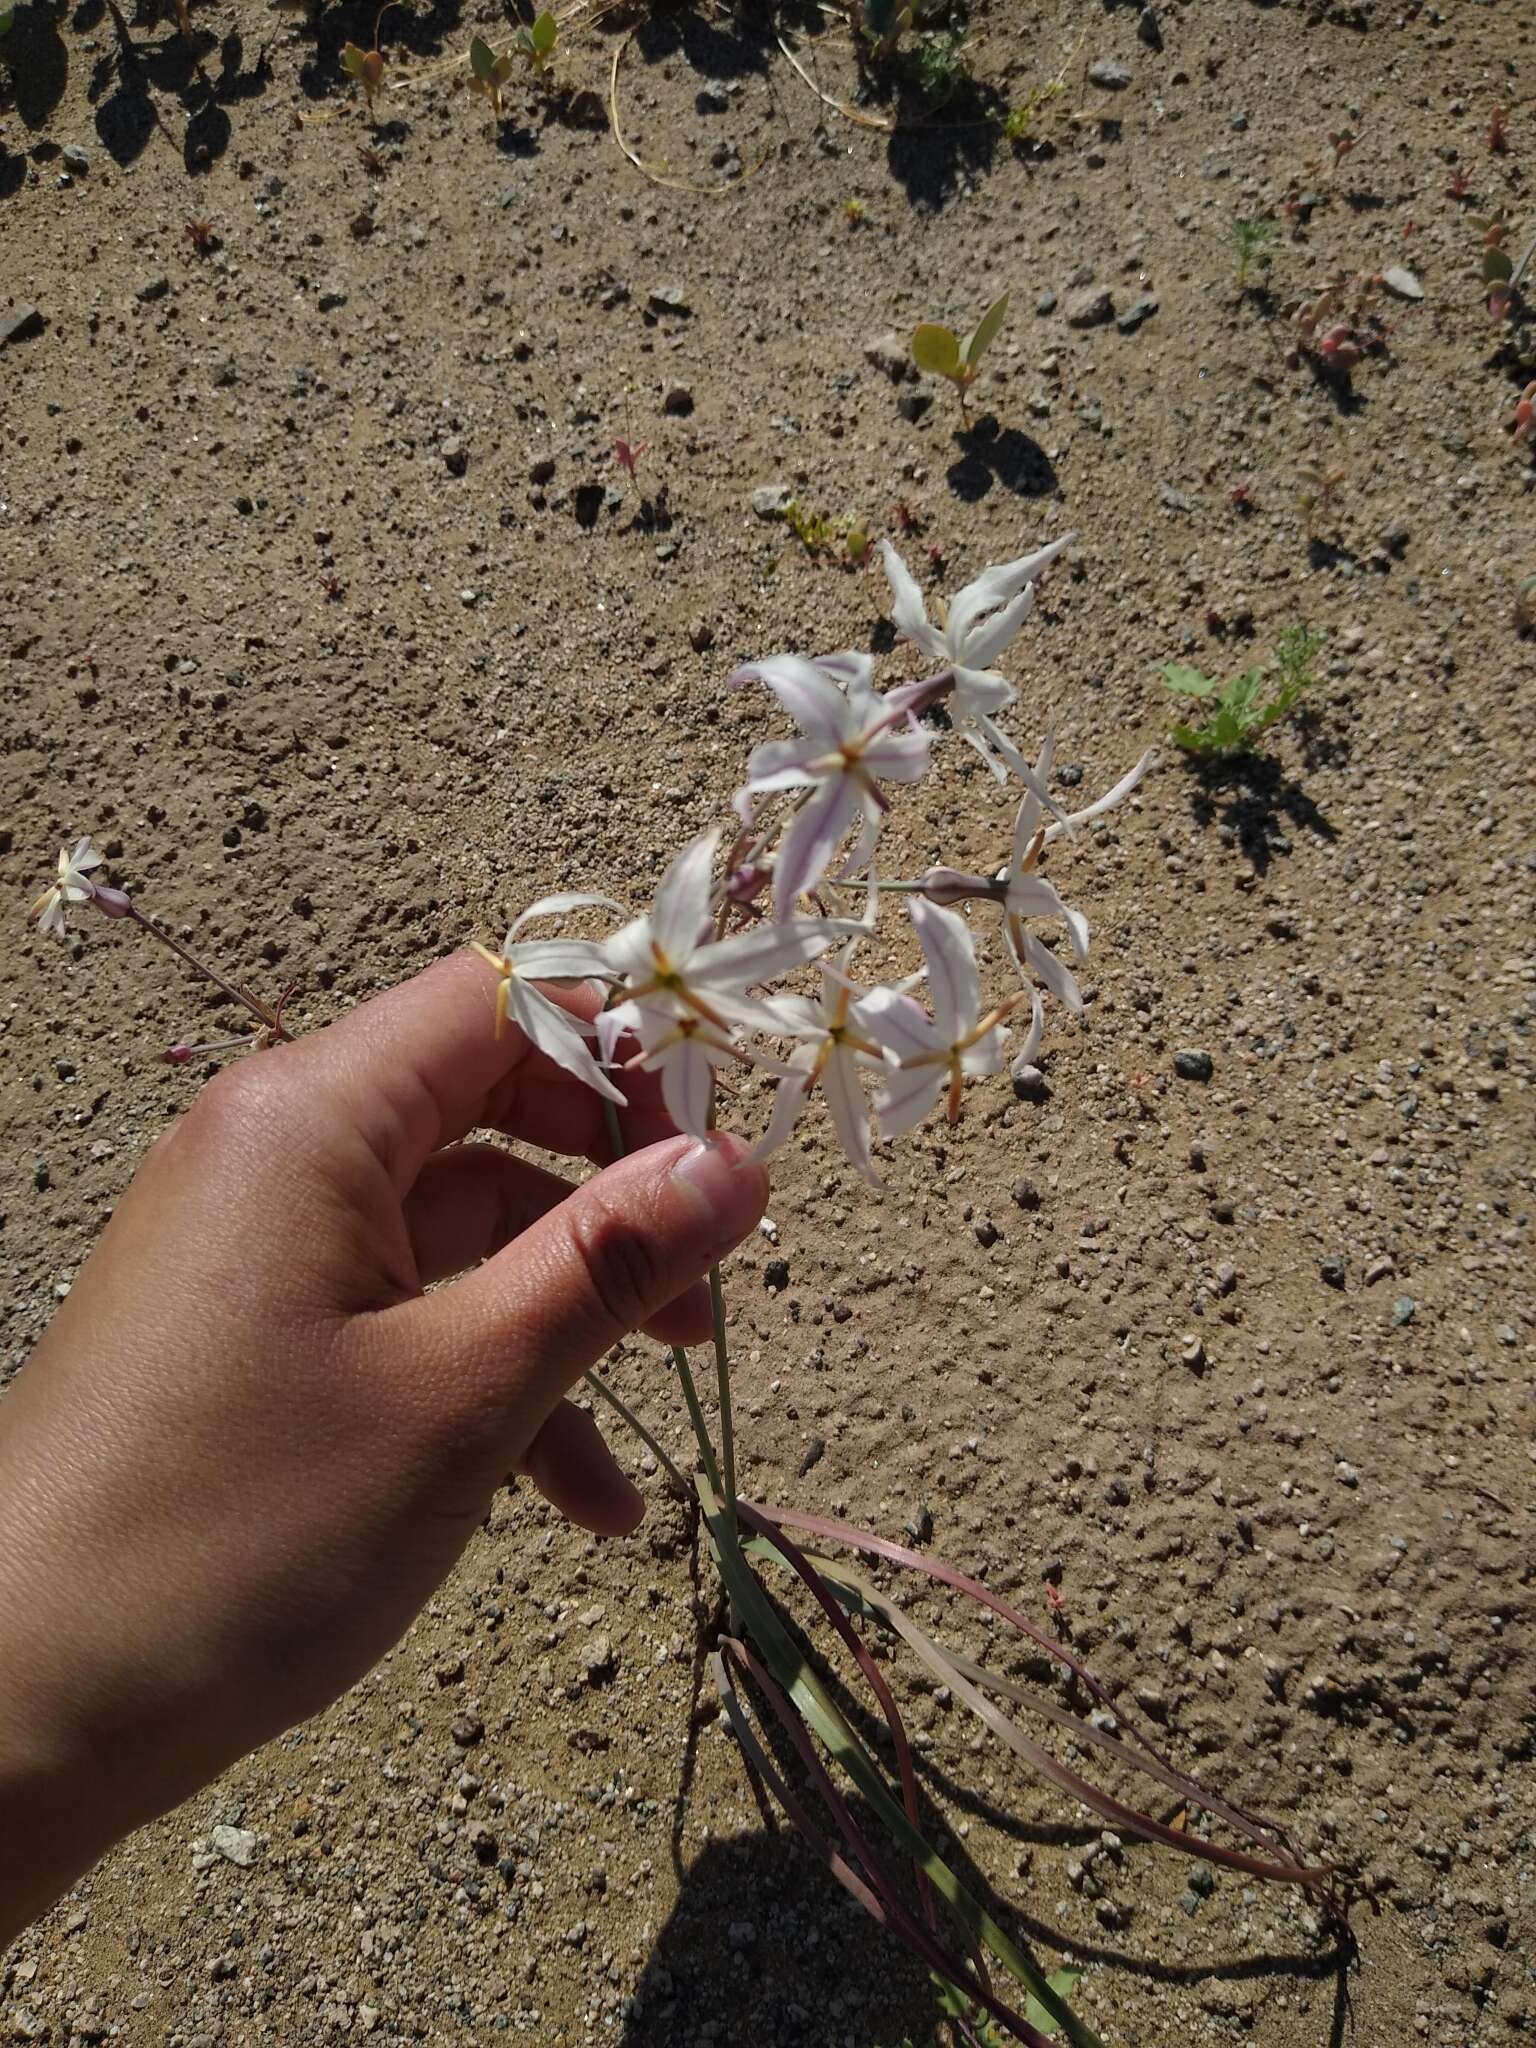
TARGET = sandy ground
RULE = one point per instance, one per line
(327, 610)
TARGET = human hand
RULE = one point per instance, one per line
(250, 1445)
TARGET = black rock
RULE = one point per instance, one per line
(1026, 1194)
(776, 1275)
(1332, 1270)
(815, 1451)
(1193, 1063)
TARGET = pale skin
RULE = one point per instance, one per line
(252, 1443)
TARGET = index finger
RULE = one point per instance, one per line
(421, 1065)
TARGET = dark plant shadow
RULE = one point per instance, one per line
(993, 454)
(38, 61)
(1251, 796)
(934, 151)
(13, 173)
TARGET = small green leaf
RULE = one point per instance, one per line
(545, 32)
(7, 16)
(353, 60)
(482, 60)
(1063, 1982)
(935, 349)
(1185, 736)
(1189, 682)
(1497, 268)
(985, 331)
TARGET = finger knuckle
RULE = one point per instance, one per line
(621, 1261)
(239, 1105)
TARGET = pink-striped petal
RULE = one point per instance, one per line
(813, 837)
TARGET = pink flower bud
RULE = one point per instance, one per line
(178, 1055)
(950, 885)
(746, 884)
(111, 902)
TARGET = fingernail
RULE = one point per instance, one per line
(725, 1184)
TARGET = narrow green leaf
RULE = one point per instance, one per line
(985, 331)
(799, 1680)
(935, 349)
(544, 33)
(482, 60)
(1497, 268)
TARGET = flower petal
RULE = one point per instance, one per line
(681, 911)
(1029, 1051)
(997, 585)
(1031, 809)
(555, 906)
(813, 836)
(987, 639)
(557, 1036)
(898, 756)
(790, 1097)
(808, 694)
(1109, 799)
(953, 981)
(848, 669)
(559, 959)
(909, 615)
(85, 856)
(1058, 978)
(977, 693)
(783, 764)
(903, 1027)
(762, 952)
(688, 1086)
(906, 1098)
(850, 1112)
(628, 950)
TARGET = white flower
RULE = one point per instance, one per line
(521, 962)
(72, 886)
(685, 990)
(854, 740)
(1021, 893)
(979, 624)
(835, 1048)
(924, 1052)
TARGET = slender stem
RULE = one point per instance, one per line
(677, 1354)
(723, 1381)
(241, 996)
(601, 1386)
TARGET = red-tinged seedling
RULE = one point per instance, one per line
(1498, 131)
(1241, 497)
(1523, 424)
(372, 161)
(907, 519)
(1460, 183)
(627, 455)
(202, 235)
(367, 66)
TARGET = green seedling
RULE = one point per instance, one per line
(844, 541)
(940, 353)
(7, 16)
(940, 67)
(488, 73)
(1239, 712)
(1249, 236)
(536, 45)
(1025, 118)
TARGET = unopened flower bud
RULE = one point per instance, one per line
(111, 902)
(178, 1055)
(949, 885)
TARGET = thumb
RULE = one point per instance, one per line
(507, 1341)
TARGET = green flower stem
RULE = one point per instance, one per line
(723, 1379)
(678, 1356)
(601, 1386)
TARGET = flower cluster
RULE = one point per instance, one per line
(690, 983)
(689, 987)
